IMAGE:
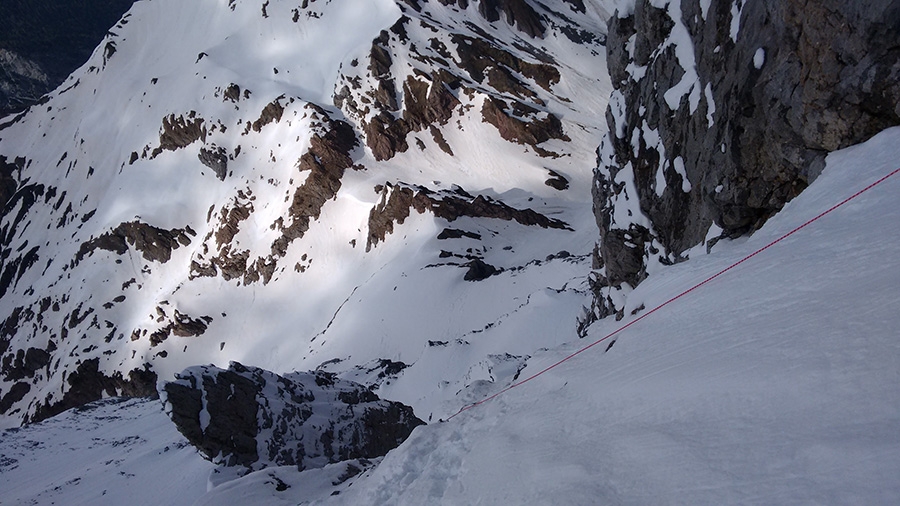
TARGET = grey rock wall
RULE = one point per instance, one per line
(723, 111)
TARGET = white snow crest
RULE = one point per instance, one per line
(736, 19)
(678, 165)
(618, 108)
(627, 208)
(684, 51)
(704, 8)
(653, 141)
(624, 8)
(203, 416)
(710, 104)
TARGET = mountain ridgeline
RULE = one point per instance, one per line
(43, 41)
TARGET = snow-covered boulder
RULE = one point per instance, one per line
(246, 416)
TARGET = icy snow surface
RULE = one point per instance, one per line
(774, 384)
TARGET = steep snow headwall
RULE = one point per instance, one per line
(723, 110)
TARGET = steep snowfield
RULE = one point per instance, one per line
(774, 384)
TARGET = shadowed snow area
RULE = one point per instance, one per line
(111, 452)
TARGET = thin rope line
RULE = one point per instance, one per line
(673, 299)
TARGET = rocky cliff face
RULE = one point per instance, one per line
(245, 416)
(723, 110)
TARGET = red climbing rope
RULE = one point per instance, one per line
(673, 299)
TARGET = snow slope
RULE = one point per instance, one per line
(115, 451)
(774, 384)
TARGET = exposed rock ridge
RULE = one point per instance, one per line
(518, 13)
(324, 164)
(327, 159)
(154, 243)
(178, 132)
(457, 65)
(722, 112)
(398, 200)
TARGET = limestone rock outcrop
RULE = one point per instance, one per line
(722, 112)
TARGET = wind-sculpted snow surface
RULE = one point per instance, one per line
(114, 451)
(204, 193)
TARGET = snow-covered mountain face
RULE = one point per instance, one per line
(771, 384)
(377, 189)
